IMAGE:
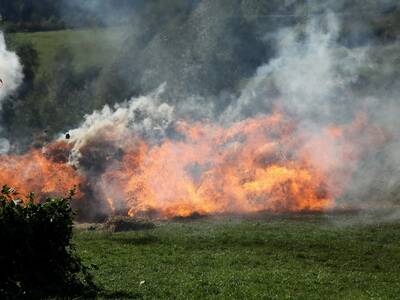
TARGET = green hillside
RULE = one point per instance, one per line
(61, 72)
(89, 47)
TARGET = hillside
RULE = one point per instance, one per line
(61, 68)
(89, 47)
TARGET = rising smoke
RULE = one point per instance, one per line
(11, 76)
(285, 120)
(310, 81)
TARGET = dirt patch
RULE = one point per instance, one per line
(120, 223)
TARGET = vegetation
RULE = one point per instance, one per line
(70, 72)
(36, 255)
(89, 47)
(286, 257)
(60, 80)
(121, 223)
(298, 257)
(46, 15)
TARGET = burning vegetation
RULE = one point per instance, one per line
(259, 164)
(291, 140)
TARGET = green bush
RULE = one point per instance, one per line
(36, 256)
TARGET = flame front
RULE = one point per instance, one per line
(254, 165)
(260, 164)
(36, 172)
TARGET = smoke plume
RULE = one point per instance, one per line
(11, 75)
(10, 70)
(280, 145)
(287, 120)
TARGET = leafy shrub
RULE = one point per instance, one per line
(121, 223)
(36, 256)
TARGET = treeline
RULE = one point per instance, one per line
(45, 15)
(33, 15)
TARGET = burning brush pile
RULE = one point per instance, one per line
(258, 164)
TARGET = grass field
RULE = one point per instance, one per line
(278, 258)
(90, 47)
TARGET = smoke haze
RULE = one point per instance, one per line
(11, 76)
(310, 80)
(293, 111)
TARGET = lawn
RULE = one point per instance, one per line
(307, 257)
(90, 47)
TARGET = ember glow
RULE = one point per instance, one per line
(259, 164)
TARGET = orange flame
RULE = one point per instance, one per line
(263, 163)
(248, 167)
(35, 172)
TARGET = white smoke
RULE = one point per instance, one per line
(311, 78)
(10, 70)
(310, 74)
(145, 116)
(11, 76)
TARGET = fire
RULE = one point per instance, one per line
(264, 163)
(36, 172)
(248, 167)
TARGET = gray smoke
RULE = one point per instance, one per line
(145, 117)
(316, 60)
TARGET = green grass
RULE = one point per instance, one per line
(274, 259)
(90, 47)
